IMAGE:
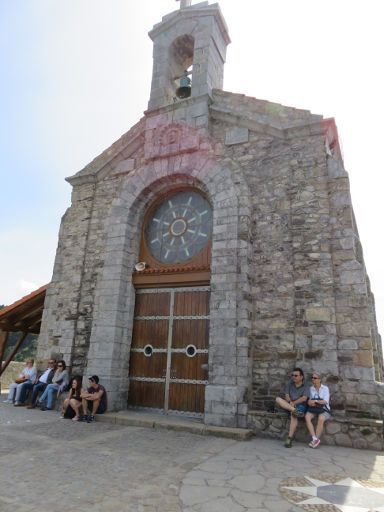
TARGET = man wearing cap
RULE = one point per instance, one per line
(94, 399)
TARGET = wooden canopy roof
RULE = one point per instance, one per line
(25, 314)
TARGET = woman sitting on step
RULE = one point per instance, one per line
(72, 403)
(59, 383)
(318, 405)
(27, 375)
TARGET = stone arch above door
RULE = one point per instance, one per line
(114, 304)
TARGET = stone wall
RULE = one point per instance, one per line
(12, 371)
(351, 432)
(289, 286)
(288, 281)
(70, 300)
(313, 306)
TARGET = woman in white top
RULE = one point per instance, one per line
(318, 405)
(28, 374)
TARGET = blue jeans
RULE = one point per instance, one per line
(15, 391)
(23, 392)
(39, 387)
(49, 395)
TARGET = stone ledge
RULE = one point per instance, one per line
(148, 420)
(340, 431)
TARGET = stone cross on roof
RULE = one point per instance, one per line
(184, 3)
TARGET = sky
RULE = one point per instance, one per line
(76, 74)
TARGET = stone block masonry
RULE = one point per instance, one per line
(351, 432)
(288, 282)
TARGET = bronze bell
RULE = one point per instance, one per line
(184, 90)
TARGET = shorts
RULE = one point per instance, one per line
(301, 408)
(326, 415)
(100, 410)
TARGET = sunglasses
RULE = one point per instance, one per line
(295, 375)
(315, 378)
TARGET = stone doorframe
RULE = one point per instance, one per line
(226, 396)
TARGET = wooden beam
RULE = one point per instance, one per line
(28, 323)
(3, 344)
(14, 351)
(5, 326)
(24, 312)
(199, 278)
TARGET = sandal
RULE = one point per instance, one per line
(76, 418)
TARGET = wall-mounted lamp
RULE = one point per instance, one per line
(140, 266)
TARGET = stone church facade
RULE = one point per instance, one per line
(212, 248)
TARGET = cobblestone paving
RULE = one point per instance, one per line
(250, 477)
(53, 465)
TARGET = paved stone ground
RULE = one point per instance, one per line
(53, 465)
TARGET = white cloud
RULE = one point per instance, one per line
(27, 286)
(28, 261)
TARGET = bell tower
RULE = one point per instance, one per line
(189, 46)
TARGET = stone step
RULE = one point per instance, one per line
(192, 425)
(345, 431)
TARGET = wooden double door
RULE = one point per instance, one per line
(168, 367)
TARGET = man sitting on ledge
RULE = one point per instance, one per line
(94, 400)
(296, 394)
(40, 383)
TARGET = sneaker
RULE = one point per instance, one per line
(298, 414)
(315, 443)
(19, 404)
(76, 418)
(7, 401)
(32, 406)
(90, 418)
(288, 443)
(84, 417)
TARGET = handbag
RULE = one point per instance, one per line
(69, 413)
(19, 380)
(317, 409)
